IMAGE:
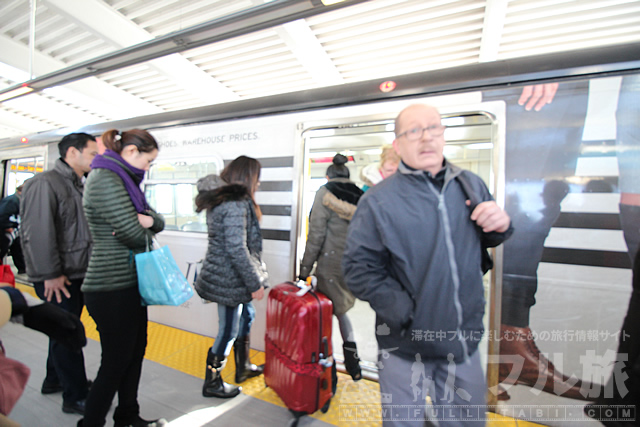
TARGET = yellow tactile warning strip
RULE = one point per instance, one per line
(187, 353)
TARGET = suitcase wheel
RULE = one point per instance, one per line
(296, 417)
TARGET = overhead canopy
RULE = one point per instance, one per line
(262, 49)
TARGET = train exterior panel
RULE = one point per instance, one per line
(276, 142)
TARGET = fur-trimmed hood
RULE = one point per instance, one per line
(213, 191)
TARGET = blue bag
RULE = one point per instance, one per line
(160, 280)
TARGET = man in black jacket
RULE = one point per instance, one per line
(414, 252)
(57, 245)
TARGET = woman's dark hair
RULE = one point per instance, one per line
(115, 140)
(338, 168)
(244, 171)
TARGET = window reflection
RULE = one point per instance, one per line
(171, 190)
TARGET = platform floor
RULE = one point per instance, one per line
(171, 385)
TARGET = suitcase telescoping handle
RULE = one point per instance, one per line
(306, 286)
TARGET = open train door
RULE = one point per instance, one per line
(474, 141)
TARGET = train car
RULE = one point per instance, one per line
(563, 170)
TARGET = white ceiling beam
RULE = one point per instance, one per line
(107, 100)
(101, 19)
(494, 18)
(20, 124)
(307, 48)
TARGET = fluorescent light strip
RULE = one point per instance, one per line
(15, 93)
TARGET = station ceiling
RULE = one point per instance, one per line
(368, 40)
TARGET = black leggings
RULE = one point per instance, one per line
(122, 323)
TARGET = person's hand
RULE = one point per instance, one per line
(537, 96)
(490, 217)
(145, 220)
(259, 294)
(56, 286)
(9, 230)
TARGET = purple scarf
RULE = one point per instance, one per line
(131, 176)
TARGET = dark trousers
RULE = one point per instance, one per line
(16, 251)
(64, 365)
(122, 323)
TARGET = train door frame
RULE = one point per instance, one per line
(496, 112)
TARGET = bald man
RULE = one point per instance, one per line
(414, 252)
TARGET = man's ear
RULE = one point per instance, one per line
(72, 152)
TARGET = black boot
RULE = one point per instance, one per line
(351, 360)
(244, 368)
(214, 386)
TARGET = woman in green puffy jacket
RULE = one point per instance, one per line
(122, 225)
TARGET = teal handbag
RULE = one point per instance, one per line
(160, 281)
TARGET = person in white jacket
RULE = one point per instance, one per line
(376, 172)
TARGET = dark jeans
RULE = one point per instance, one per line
(233, 322)
(122, 323)
(64, 365)
(16, 251)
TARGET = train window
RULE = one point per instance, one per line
(20, 170)
(171, 189)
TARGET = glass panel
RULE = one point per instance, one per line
(187, 170)
(20, 170)
(171, 190)
(175, 203)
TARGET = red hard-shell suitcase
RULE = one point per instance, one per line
(299, 356)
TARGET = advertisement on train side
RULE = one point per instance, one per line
(572, 192)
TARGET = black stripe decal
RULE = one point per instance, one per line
(271, 162)
(275, 186)
(275, 210)
(276, 235)
(600, 184)
(597, 221)
(609, 259)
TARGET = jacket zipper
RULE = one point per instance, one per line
(442, 208)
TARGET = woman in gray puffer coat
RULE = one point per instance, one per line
(232, 273)
(333, 207)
